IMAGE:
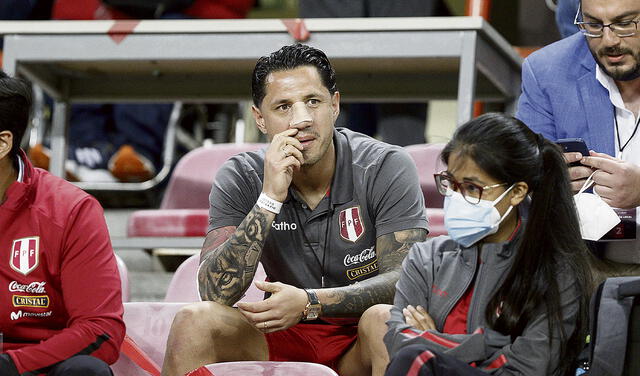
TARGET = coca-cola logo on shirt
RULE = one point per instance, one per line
(366, 255)
(33, 287)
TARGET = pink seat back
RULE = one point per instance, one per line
(124, 279)
(193, 176)
(269, 369)
(168, 222)
(427, 159)
(183, 286)
(148, 324)
(436, 222)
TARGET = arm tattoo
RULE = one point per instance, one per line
(354, 299)
(227, 266)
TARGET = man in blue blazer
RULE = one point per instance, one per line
(588, 86)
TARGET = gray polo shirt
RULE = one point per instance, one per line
(375, 191)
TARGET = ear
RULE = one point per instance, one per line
(257, 115)
(6, 143)
(518, 193)
(335, 105)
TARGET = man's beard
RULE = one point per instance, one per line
(616, 74)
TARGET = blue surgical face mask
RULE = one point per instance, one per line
(467, 223)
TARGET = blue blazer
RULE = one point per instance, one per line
(561, 97)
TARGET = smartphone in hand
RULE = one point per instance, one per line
(572, 145)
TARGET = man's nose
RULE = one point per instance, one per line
(300, 115)
(609, 37)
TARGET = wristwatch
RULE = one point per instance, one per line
(313, 307)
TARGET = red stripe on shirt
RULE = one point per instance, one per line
(439, 340)
(419, 361)
(410, 333)
(433, 338)
(515, 231)
(499, 362)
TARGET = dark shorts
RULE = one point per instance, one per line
(315, 343)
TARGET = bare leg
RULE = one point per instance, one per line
(368, 356)
(208, 332)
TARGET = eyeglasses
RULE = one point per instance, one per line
(596, 29)
(471, 192)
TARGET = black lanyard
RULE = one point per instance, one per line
(325, 250)
(615, 119)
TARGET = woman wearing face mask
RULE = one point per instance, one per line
(506, 291)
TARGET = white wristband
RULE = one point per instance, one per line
(267, 203)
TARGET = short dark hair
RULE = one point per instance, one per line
(291, 57)
(15, 104)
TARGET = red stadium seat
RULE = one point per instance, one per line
(264, 369)
(184, 286)
(148, 325)
(193, 176)
(187, 194)
(168, 222)
(426, 157)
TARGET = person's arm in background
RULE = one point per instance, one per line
(616, 181)
(413, 289)
(535, 110)
(534, 106)
(91, 287)
(230, 254)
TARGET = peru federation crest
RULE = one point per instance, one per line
(25, 254)
(351, 226)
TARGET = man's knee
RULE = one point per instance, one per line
(208, 320)
(81, 365)
(374, 319)
(198, 316)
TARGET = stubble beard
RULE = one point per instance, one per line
(313, 159)
(617, 72)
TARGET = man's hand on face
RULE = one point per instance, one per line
(283, 157)
(616, 181)
(282, 310)
(577, 174)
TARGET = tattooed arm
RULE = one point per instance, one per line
(354, 299)
(230, 256)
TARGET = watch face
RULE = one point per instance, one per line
(314, 310)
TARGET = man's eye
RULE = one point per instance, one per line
(283, 107)
(313, 102)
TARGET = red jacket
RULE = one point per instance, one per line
(94, 9)
(59, 284)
